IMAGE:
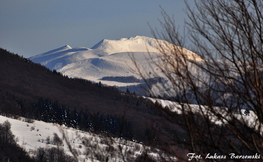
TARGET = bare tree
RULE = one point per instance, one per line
(214, 87)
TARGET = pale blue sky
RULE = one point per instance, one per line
(30, 27)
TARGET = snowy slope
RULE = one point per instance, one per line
(133, 44)
(106, 58)
(250, 120)
(32, 136)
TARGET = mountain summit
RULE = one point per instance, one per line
(132, 44)
(108, 61)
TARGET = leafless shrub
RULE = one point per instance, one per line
(56, 140)
(28, 120)
(52, 154)
(48, 141)
(32, 128)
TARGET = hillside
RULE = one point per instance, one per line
(30, 81)
(38, 135)
(31, 90)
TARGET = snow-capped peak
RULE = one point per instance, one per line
(108, 58)
(57, 50)
(60, 49)
(132, 44)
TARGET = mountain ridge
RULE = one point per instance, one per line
(132, 44)
(107, 58)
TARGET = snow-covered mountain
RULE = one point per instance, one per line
(107, 62)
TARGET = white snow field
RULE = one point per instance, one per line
(32, 136)
(250, 120)
(108, 58)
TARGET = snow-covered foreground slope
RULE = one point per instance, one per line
(106, 58)
(250, 119)
(87, 146)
